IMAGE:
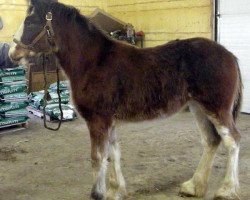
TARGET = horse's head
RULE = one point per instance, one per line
(35, 34)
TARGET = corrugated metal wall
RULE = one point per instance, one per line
(161, 20)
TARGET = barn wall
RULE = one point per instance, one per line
(12, 13)
(86, 6)
(165, 20)
(161, 20)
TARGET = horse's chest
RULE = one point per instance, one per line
(95, 98)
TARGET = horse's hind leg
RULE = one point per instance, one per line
(225, 126)
(117, 183)
(197, 185)
(99, 134)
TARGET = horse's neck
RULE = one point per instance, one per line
(76, 50)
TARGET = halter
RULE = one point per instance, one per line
(47, 31)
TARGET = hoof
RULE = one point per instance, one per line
(227, 198)
(114, 194)
(97, 196)
(227, 192)
(227, 195)
(189, 189)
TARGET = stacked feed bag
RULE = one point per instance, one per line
(13, 96)
(52, 108)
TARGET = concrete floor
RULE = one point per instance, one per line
(157, 156)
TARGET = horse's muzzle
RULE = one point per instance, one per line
(18, 54)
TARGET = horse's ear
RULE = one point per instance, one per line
(33, 2)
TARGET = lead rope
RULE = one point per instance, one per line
(45, 64)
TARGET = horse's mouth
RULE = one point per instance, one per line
(20, 60)
(16, 60)
(18, 55)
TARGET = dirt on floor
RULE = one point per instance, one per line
(157, 156)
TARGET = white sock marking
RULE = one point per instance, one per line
(100, 181)
(231, 182)
(117, 165)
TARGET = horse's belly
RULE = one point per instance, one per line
(139, 113)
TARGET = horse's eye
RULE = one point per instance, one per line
(27, 23)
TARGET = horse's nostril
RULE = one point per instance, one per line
(15, 59)
(32, 53)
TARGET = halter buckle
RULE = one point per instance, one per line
(47, 28)
(49, 16)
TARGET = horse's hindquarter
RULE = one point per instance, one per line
(211, 72)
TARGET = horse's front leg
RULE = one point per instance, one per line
(117, 188)
(99, 133)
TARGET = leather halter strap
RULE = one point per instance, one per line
(47, 30)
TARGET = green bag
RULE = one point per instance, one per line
(10, 79)
(15, 69)
(37, 99)
(12, 121)
(8, 89)
(64, 100)
(40, 102)
(15, 113)
(15, 97)
(12, 106)
(63, 85)
(54, 112)
(12, 73)
(65, 92)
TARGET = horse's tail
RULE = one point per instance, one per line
(238, 98)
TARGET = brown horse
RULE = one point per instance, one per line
(114, 81)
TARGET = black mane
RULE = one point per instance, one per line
(68, 14)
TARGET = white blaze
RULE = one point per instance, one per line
(19, 33)
(16, 52)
